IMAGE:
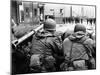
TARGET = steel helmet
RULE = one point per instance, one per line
(50, 24)
(80, 28)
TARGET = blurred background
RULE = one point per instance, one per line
(26, 16)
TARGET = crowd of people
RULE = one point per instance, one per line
(78, 20)
(52, 52)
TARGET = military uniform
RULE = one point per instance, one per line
(76, 53)
(46, 49)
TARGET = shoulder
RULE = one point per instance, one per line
(68, 33)
(89, 41)
(54, 41)
(51, 39)
(66, 42)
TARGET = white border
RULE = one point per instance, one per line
(5, 36)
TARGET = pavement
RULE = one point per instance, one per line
(64, 27)
(70, 26)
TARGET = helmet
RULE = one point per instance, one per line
(80, 28)
(50, 24)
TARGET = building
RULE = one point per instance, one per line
(67, 12)
(27, 12)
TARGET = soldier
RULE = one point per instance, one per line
(67, 33)
(46, 49)
(78, 49)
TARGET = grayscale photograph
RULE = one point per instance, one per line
(52, 37)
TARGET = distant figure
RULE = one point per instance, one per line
(78, 49)
(46, 49)
(81, 20)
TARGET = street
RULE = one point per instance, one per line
(69, 26)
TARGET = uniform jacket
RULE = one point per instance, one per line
(46, 43)
(73, 42)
